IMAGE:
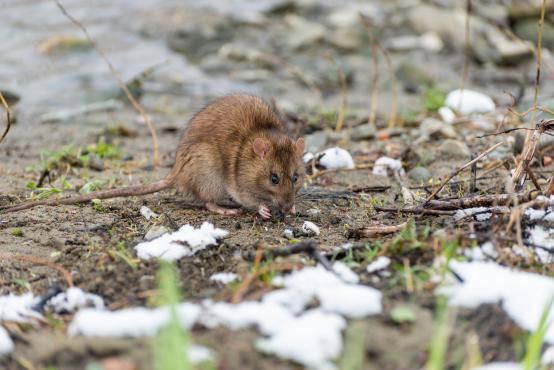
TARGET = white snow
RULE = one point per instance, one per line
(380, 263)
(225, 277)
(345, 273)
(543, 237)
(500, 366)
(129, 322)
(523, 295)
(482, 216)
(469, 101)
(312, 339)
(18, 308)
(335, 158)
(482, 253)
(540, 214)
(6, 343)
(198, 354)
(548, 356)
(308, 156)
(309, 226)
(382, 164)
(147, 213)
(74, 298)
(334, 295)
(447, 114)
(184, 242)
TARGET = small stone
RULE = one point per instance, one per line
(455, 148)
(364, 132)
(469, 101)
(155, 232)
(95, 162)
(420, 174)
(527, 30)
(316, 141)
(303, 32)
(433, 127)
(413, 78)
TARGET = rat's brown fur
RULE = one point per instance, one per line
(229, 149)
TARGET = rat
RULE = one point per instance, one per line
(236, 147)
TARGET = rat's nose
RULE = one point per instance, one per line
(286, 206)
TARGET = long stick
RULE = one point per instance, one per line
(453, 174)
(136, 105)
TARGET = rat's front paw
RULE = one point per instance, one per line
(264, 211)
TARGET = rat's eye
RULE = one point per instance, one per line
(274, 179)
(295, 178)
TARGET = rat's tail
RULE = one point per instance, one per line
(102, 194)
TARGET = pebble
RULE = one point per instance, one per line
(432, 126)
(316, 141)
(455, 148)
(364, 132)
(420, 174)
(155, 232)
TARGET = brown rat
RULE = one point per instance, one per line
(236, 147)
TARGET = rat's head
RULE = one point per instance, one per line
(278, 171)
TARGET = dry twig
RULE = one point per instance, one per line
(375, 230)
(122, 85)
(518, 177)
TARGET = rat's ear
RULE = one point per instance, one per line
(300, 145)
(261, 147)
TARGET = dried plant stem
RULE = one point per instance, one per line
(484, 201)
(39, 261)
(343, 94)
(374, 79)
(8, 116)
(457, 171)
(117, 76)
(467, 47)
(538, 74)
(375, 45)
(518, 177)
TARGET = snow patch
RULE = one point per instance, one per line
(335, 158)
(500, 366)
(482, 253)
(469, 101)
(523, 295)
(18, 308)
(382, 164)
(147, 213)
(74, 298)
(309, 226)
(540, 214)
(6, 343)
(539, 235)
(312, 339)
(225, 277)
(130, 322)
(380, 263)
(198, 354)
(447, 114)
(184, 242)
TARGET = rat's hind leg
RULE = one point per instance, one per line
(210, 206)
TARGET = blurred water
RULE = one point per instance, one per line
(48, 82)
